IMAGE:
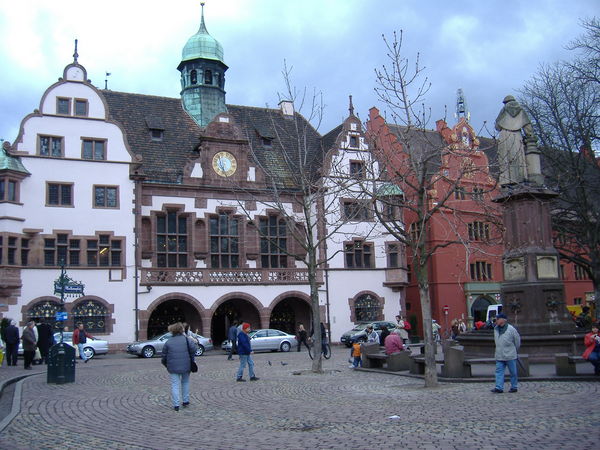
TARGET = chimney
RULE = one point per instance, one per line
(287, 107)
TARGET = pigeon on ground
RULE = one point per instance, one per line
(283, 364)
(270, 363)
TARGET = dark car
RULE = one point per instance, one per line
(359, 334)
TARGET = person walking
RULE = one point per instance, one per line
(80, 337)
(302, 337)
(29, 344)
(232, 335)
(45, 340)
(592, 348)
(177, 356)
(508, 341)
(403, 327)
(245, 352)
(11, 341)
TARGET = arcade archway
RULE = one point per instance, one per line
(235, 309)
(172, 311)
(479, 308)
(289, 313)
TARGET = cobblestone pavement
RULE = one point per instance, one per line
(122, 402)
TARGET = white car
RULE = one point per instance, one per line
(91, 348)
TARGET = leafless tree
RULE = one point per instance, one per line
(429, 173)
(563, 102)
(297, 175)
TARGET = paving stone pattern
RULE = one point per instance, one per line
(122, 402)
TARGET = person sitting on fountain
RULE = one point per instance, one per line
(592, 348)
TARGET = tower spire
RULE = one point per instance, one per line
(75, 55)
(461, 106)
(351, 106)
(202, 28)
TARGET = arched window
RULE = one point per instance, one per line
(44, 312)
(367, 308)
(208, 77)
(193, 77)
(92, 314)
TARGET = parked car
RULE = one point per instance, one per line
(358, 333)
(154, 346)
(91, 348)
(267, 339)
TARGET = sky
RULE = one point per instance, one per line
(489, 49)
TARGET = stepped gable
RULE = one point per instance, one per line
(163, 160)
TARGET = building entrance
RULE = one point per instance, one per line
(289, 313)
(479, 309)
(172, 311)
(238, 310)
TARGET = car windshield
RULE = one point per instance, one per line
(360, 327)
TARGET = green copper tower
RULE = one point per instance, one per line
(202, 76)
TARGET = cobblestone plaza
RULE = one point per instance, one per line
(123, 402)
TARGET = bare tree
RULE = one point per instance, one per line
(563, 101)
(298, 174)
(429, 173)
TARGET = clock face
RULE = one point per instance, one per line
(224, 164)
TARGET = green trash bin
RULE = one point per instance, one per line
(61, 364)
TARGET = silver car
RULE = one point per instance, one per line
(154, 346)
(91, 348)
(267, 340)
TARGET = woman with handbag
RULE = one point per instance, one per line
(178, 357)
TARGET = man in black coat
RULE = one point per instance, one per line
(11, 339)
(45, 340)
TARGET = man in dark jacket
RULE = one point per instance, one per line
(245, 351)
(11, 339)
(45, 340)
(232, 334)
(29, 344)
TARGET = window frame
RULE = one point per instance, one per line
(481, 271)
(5, 191)
(231, 255)
(106, 188)
(51, 139)
(60, 204)
(68, 100)
(363, 211)
(94, 142)
(165, 256)
(359, 258)
(79, 101)
(354, 173)
(280, 253)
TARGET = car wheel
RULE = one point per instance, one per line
(89, 352)
(285, 347)
(348, 344)
(200, 350)
(148, 351)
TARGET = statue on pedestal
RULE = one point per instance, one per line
(518, 156)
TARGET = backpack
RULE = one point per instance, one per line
(407, 325)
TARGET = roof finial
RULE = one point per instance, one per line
(461, 106)
(75, 55)
(351, 107)
(202, 25)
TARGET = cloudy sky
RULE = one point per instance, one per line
(487, 48)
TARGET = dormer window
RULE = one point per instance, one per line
(156, 134)
(194, 77)
(267, 142)
(63, 106)
(208, 77)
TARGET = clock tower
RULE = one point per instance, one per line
(203, 76)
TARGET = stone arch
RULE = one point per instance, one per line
(366, 296)
(478, 309)
(288, 310)
(235, 306)
(192, 303)
(28, 306)
(110, 309)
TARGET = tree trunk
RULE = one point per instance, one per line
(317, 363)
(431, 379)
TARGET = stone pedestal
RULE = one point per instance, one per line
(532, 291)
